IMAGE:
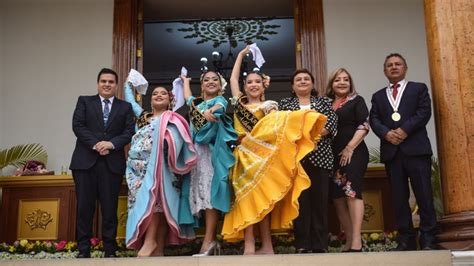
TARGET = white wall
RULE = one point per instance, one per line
(52, 52)
(360, 33)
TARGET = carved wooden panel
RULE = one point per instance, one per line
(128, 26)
(20, 202)
(44, 208)
(310, 43)
(38, 219)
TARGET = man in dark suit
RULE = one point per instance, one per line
(103, 126)
(398, 116)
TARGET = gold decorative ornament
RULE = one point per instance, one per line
(38, 219)
(197, 118)
(122, 219)
(368, 211)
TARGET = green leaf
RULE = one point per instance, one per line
(436, 187)
(374, 155)
(18, 155)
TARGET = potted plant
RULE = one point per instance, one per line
(18, 156)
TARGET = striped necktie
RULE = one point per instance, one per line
(106, 111)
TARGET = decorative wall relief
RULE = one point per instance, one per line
(38, 219)
(368, 211)
(373, 214)
(229, 31)
(122, 214)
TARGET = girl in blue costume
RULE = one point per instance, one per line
(212, 131)
(159, 160)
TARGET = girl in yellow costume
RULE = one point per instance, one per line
(267, 176)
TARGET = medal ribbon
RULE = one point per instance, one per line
(396, 102)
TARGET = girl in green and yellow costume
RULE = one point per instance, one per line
(267, 177)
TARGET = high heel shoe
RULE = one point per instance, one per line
(214, 248)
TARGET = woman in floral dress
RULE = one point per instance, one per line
(159, 160)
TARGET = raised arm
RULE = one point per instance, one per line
(234, 77)
(187, 87)
(129, 97)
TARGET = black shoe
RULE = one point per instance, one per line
(319, 250)
(428, 246)
(403, 246)
(83, 255)
(108, 254)
(303, 251)
(427, 242)
(355, 250)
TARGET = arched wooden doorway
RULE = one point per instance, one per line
(309, 33)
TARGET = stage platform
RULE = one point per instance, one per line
(418, 258)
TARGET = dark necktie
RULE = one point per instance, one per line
(395, 90)
(106, 111)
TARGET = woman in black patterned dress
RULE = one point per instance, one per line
(351, 155)
(311, 226)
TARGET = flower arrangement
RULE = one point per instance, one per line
(376, 241)
(283, 244)
(24, 249)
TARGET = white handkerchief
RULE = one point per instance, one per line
(178, 90)
(138, 81)
(257, 55)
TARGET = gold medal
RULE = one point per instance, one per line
(396, 116)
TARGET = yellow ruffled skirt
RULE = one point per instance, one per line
(267, 176)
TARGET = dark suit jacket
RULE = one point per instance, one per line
(88, 126)
(415, 111)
